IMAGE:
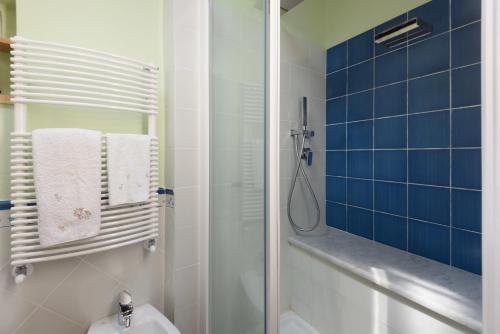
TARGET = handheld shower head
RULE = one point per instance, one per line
(304, 112)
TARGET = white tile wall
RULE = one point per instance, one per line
(336, 302)
(182, 56)
(302, 68)
(66, 296)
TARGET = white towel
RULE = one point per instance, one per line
(67, 170)
(128, 168)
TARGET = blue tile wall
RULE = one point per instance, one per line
(403, 136)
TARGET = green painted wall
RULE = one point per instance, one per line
(129, 28)
(330, 22)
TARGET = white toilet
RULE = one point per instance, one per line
(145, 320)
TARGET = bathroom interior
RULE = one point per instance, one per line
(247, 167)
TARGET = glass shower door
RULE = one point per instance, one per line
(237, 300)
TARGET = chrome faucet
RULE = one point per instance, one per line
(126, 309)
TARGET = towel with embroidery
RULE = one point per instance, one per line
(67, 175)
(128, 168)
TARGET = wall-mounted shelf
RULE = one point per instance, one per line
(5, 99)
(4, 45)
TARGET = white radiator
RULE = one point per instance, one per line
(57, 74)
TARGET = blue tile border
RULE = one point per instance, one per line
(5, 205)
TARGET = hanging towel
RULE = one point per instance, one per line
(67, 170)
(128, 168)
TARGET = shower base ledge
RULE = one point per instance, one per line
(441, 289)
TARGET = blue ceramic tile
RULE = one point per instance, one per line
(336, 57)
(429, 56)
(335, 137)
(390, 100)
(466, 250)
(390, 132)
(335, 189)
(390, 165)
(360, 164)
(466, 209)
(429, 240)
(466, 86)
(336, 215)
(466, 127)
(381, 49)
(429, 93)
(390, 67)
(390, 197)
(429, 167)
(435, 13)
(466, 168)
(360, 47)
(465, 11)
(336, 84)
(466, 45)
(360, 222)
(360, 193)
(336, 110)
(360, 77)
(335, 163)
(429, 130)
(390, 230)
(431, 204)
(360, 135)
(360, 106)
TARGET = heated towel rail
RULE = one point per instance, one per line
(58, 74)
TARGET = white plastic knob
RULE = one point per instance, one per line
(150, 245)
(20, 278)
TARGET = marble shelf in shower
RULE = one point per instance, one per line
(450, 292)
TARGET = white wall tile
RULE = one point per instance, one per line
(186, 89)
(187, 247)
(187, 124)
(187, 319)
(186, 207)
(4, 246)
(93, 293)
(14, 309)
(186, 163)
(186, 286)
(45, 279)
(342, 304)
(44, 321)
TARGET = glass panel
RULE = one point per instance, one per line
(237, 184)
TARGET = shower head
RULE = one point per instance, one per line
(287, 5)
(304, 112)
(402, 33)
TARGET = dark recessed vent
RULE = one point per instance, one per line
(402, 33)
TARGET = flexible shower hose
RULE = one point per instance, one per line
(294, 181)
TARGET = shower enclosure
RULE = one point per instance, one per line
(238, 172)
(321, 175)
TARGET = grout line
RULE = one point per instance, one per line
(449, 148)
(432, 36)
(399, 182)
(345, 153)
(450, 138)
(61, 283)
(402, 217)
(373, 142)
(37, 307)
(40, 305)
(409, 149)
(407, 247)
